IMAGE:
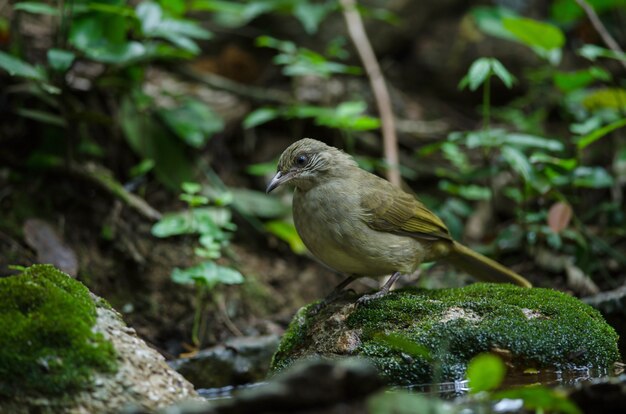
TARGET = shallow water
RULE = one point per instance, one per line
(451, 390)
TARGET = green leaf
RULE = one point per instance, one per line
(262, 169)
(534, 33)
(477, 74)
(194, 122)
(500, 71)
(402, 344)
(612, 98)
(532, 141)
(150, 140)
(208, 274)
(589, 139)
(311, 14)
(60, 60)
(518, 161)
(592, 177)
(286, 232)
(191, 187)
(567, 164)
(36, 8)
(485, 372)
(469, 192)
(42, 116)
(489, 20)
(260, 116)
(256, 203)
(143, 168)
(540, 398)
(593, 52)
(571, 81)
(20, 68)
(204, 220)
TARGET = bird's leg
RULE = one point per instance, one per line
(382, 292)
(334, 295)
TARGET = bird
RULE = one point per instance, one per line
(361, 225)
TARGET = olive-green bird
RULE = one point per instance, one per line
(361, 225)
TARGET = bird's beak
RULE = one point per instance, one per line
(278, 180)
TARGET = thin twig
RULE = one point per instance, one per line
(600, 28)
(247, 91)
(377, 81)
(104, 179)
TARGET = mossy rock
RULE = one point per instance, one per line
(531, 328)
(47, 345)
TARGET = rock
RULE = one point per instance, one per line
(310, 387)
(239, 361)
(612, 305)
(605, 395)
(529, 328)
(65, 350)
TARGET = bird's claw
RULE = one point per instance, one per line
(365, 299)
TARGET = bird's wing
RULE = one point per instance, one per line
(391, 210)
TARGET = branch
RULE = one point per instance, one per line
(600, 28)
(104, 179)
(377, 82)
(247, 91)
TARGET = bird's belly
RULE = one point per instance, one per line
(349, 245)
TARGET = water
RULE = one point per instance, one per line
(450, 390)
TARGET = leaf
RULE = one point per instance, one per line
(60, 60)
(477, 74)
(256, 203)
(311, 14)
(592, 177)
(589, 139)
(191, 187)
(194, 122)
(42, 116)
(18, 67)
(150, 140)
(593, 52)
(532, 141)
(489, 20)
(571, 81)
(405, 345)
(500, 71)
(534, 33)
(205, 220)
(559, 216)
(469, 192)
(612, 98)
(260, 116)
(262, 169)
(540, 398)
(208, 274)
(36, 8)
(518, 161)
(286, 232)
(485, 372)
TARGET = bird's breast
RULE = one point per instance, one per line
(328, 219)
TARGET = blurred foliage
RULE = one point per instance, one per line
(549, 169)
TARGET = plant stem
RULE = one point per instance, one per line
(486, 103)
(357, 33)
(197, 316)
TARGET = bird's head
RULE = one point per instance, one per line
(307, 162)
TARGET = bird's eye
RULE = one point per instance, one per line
(301, 160)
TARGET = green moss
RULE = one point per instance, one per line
(535, 327)
(294, 336)
(47, 344)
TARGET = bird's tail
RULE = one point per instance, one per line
(482, 267)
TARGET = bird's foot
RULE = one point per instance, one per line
(368, 298)
(382, 292)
